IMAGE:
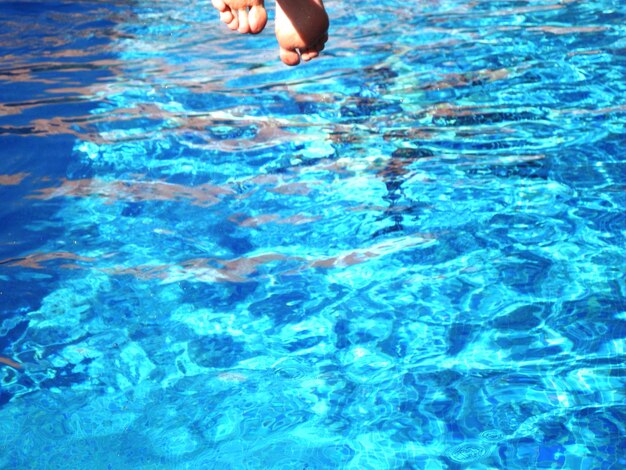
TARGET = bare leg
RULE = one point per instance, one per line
(301, 29)
(245, 16)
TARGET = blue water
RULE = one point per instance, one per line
(407, 254)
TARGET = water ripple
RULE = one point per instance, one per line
(404, 254)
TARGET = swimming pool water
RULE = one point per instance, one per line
(408, 253)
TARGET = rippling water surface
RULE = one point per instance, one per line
(409, 253)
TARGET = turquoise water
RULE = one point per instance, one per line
(409, 253)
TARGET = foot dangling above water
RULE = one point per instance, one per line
(301, 25)
(301, 29)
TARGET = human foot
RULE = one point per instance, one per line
(301, 29)
(245, 16)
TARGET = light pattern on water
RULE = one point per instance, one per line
(408, 253)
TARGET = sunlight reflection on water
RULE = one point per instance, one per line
(406, 253)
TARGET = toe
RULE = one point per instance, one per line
(314, 51)
(289, 57)
(219, 5)
(244, 26)
(309, 54)
(226, 17)
(257, 18)
(233, 23)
